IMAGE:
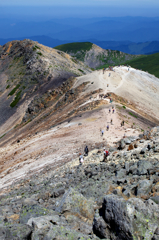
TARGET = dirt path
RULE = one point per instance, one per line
(61, 144)
(64, 142)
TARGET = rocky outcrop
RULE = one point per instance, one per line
(117, 199)
(132, 219)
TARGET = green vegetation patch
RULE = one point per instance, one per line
(39, 53)
(81, 70)
(149, 63)
(35, 48)
(2, 135)
(75, 47)
(14, 90)
(7, 86)
(132, 114)
(114, 58)
(16, 100)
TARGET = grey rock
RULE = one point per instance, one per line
(58, 192)
(121, 173)
(29, 201)
(155, 199)
(112, 149)
(121, 181)
(60, 233)
(100, 226)
(17, 232)
(143, 150)
(143, 167)
(144, 187)
(76, 203)
(133, 169)
(32, 211)
(156, 149)
(127, 167)
(122, 219)
(46, 221)
(121, 144)
(127, 192)
(127, 141)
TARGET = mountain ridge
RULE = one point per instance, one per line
(93, 55)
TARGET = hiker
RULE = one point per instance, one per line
(113, 110)
(86, 151)
(107, 127)
(106, 154)
(102, 131)
(107, 85)
(123, 122)
(111, 121)
(109, 110)
(80, 159)
(109, 74)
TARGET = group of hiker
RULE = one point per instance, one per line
(81, 157)
(110, 69)
(113, 110)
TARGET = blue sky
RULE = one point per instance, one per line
(128, 3)
(80, 8)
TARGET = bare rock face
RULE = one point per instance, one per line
(126, 220)
(29, 69)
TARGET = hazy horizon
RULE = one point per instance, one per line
(80, 20)
(48, 12)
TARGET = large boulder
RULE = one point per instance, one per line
(143, 167)
(144, 187)
(57, 227)
(74, 203)
(121, 144)
(17, 232)
(29, 211)
(126, 220)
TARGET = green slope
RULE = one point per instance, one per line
(75, 47)
(95, 59)
(116, 57)
(149, 63)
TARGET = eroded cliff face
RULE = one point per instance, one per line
(29, 69)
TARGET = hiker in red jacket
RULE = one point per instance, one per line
(106, 154)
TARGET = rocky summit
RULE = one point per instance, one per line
(29, 69)
(113, 199)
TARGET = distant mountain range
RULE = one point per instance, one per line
(135, 29)
(123, 46)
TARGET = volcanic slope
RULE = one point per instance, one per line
(76, 116)
(139, 90)
(29, 69)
